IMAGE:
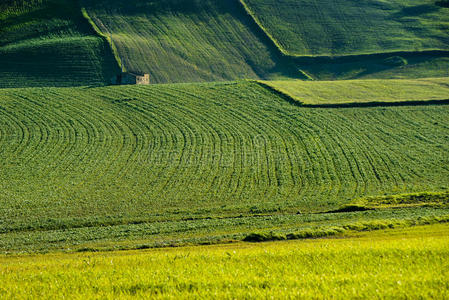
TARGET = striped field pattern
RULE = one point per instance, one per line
(49, 43)
(70, 156)
(185, 41)
(352, 27)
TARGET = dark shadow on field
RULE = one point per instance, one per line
(413, 11)
(153, 7)
(284, 64)
(360, 66)
(380, 104)
(51, 64)
(56, 59)
(63, 10)
(443, 3)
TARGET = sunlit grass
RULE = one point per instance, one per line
(409, 263)
(363, 91)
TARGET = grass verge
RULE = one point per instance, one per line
(344, 229)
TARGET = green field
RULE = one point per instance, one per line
(83, 158)
(404, 264)
(351, 27)
(335, 40)
(49, 43)
(284, 149)
(178, 41)
(363, 91)
(412, 65)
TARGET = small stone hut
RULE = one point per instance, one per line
(131, 78)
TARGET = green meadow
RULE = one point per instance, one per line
(49, 43)
(335, 40)
(74, 43)
(405, 263)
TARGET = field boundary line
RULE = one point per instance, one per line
(284, 95)
(380, 103)
(253, 17)
(344, 229)
(106, 38)
(364, 56)
(292, 100)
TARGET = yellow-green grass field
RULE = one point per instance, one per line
(363, 91)
(394, 264)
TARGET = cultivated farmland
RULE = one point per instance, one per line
(278, 120)
(173, 40)
(76, 157)
(49, 43)
(350, 27)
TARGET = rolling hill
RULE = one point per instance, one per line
(277, 120)
(340, 40)
(190, 40)
(93, 157)
(352, 27)
(49, 43)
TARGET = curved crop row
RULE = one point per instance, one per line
(74, 156)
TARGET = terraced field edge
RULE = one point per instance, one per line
(425, 199)
(362, 93)
(263, 30)
(50, 43)
(105, 37)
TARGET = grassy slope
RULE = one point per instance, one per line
(363, 91)
(73, 157)
(385, 66)
(191, 40)
(351, 27)
(410, 263)
(49, 43)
